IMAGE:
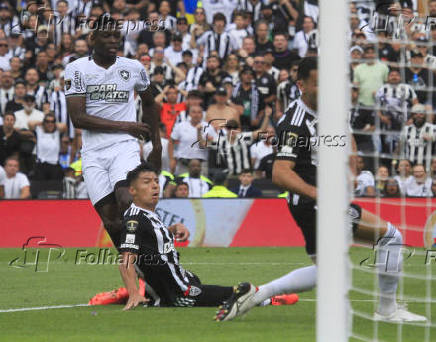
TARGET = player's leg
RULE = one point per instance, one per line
(126, 157)
(101, 193)
(247, 296)
(108, 210)
(388, 239)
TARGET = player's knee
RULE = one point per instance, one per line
(112, 225)
(123, 198)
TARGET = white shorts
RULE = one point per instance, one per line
(105, 167)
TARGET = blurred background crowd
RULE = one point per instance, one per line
(224, 72)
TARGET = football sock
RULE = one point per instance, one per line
(299, 280)
(389, 265)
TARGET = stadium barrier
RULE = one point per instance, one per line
(212, 222)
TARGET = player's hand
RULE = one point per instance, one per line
(134, 300)
(138, 129)
(181, 233)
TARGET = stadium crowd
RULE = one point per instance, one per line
(224, 73)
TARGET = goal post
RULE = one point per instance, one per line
(332, 239)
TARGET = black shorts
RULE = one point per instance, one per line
(163, 288)
(304, 214)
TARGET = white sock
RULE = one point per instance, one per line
(299, 280)
(389, 265)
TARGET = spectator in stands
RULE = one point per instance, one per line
(199, 26)
(417, 139)
(404, 172)
(217, 39)
(417, 76)
(17, 103)
(393, 99)
(2, 182)
(198, 184)
(233, 146)
(302, 37)
(222, 110)
(365, 184)
(159, 61)
(265, 82)
(29, 114)
(69, 184)
(232, 67)
(65, 152)
(170, 107)
(16, 68)
(246, 189)
(362, 122)
(174, 52)
(283, 57)
(433, 187)
(381, 177)
(6, 89)
(17, 184)
(246, 95)
(183, 146)
(269, 64)
(48, 145)
(287, 91)
(262, 148)
(166, 184)
(419, 185)
(213, 78)
(4, 55)
(369, 77)
(147, 147)
(34, 88)
(219, 190)
(433, 167)
(262, 40)
(10, 140)
(182, 190)
(391, 189)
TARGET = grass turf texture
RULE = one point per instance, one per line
(67, 283)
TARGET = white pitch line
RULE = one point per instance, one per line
(83, 305)
(44, 308)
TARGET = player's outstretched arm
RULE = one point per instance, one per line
(76, 106)
(128, 274)
(284, 176)
(151, 117)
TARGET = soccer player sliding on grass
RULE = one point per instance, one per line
(295, 169)
(147, 249)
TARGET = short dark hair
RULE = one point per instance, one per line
(134, 174)
(219, 177)
(246, 171)
(219, 17)
(306, 65)
(10, 114)
(195, 94)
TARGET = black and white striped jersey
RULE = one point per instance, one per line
(58, 104)
(297, 140)
(394, 100)
(62, 25)
(144, 234)
(5, 97)
(233, 156)
(42, 95)
(223, 43)
(254, 9)
(417, 144)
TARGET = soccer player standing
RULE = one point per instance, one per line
(294, 169)
(100, 100)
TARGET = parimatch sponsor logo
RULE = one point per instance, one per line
(107, 93)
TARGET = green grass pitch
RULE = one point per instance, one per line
(67, 283)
